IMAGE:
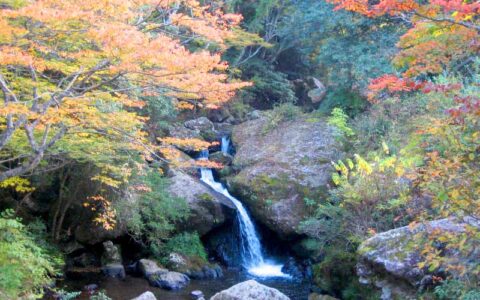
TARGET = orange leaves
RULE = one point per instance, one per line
(429, 47)
(105, 214)
(461, 9)
(192, 144)
(382, 7)
(17, 57)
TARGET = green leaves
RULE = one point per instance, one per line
(25, 263)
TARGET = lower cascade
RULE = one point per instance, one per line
(252, 256)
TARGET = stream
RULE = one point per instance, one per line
(132, 287)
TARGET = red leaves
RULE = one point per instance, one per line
(468, 105)
(392, 84)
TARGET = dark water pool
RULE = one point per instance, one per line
(134, 286)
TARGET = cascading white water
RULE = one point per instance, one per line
(225, 144)
(251, 248)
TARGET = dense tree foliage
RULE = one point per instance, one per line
(92, 92)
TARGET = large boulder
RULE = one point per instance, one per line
(208, 209)
(390, 260)
(89, 232)
(281, 167)
(193, 267)
(169, 280)
(250, 290)
(149, 267)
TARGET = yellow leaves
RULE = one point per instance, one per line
(107, 180)
(105, 213)
(362, 165)
(19, 184)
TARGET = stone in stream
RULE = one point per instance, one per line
(149, 267)
(146, 296)
(250, 290)
(115, 270)
(197, 295)
(193, 268)
(169, 280)
(112, 261)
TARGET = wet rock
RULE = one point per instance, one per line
(197, 295)
(249, 290)
(221, 158)
(389, 260)
(91, 288)
(208, 209)
(115, 270)
(281, 167)
(297, 269)
(169, 280)
(149, 267)
(146, 296)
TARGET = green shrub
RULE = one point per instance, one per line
(26, 263)
(151, 219)
(188, 244)
(456, 289)
(339, 120)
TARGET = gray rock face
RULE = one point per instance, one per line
(389, 260)
(250, 290)
(90, 233)
(169, 280)
(193, 268)
(146, 296)
(208, 209)
(148, 267)
(281, 167)
(200, 124)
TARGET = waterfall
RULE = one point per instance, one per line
(251, 249)
(225, 145)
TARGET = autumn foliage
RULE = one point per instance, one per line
(444, 33)
(73, 74)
